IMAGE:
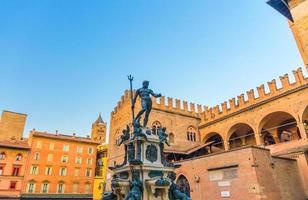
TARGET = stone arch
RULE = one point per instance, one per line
(279, 126)
(215, 137)
(155, 126)
(241, 134)
(183, 184)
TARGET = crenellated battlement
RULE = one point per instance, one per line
(166, 104)
(241, 102)
(177, 106)
(208, 114)
(124, 99)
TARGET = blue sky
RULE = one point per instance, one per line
(63, 62)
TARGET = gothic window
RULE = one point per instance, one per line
(183, 185)
(191, 134)
(155, 126)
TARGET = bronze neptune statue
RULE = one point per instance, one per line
(145, 177)
(146, 102)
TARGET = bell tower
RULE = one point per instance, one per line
(98, 133)
(296, 11)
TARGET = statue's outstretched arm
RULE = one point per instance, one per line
(155, 95)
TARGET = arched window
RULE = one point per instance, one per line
(278, 127)
(155, 126)
(60, 187)
(191, 134)
(31, 187)
(18, 157)
(183, 185)
(171, 138)
(241, 134)
(2, 155)
(45, 187)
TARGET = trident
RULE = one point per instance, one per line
(131, 78)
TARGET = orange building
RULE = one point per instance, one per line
(13, 157)
(59, 166)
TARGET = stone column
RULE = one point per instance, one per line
(302, 130)
(226, 145)
(258, 137)
(274, 133)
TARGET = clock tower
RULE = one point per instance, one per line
(98, 133)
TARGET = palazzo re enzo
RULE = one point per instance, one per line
(253, 146)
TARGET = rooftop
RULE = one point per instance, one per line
(15, 144)
(72, 138)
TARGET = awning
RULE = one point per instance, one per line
(190, 151)
(282, 7)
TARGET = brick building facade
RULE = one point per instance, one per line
(262, 135)
(253, 146)
(12, 125)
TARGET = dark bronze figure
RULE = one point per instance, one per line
(163, 135)
(146, 102)
(136, 187)
(125, 135)
(109, 196)
(138, 129)
(174, 192)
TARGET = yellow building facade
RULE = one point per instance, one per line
(100, 172)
